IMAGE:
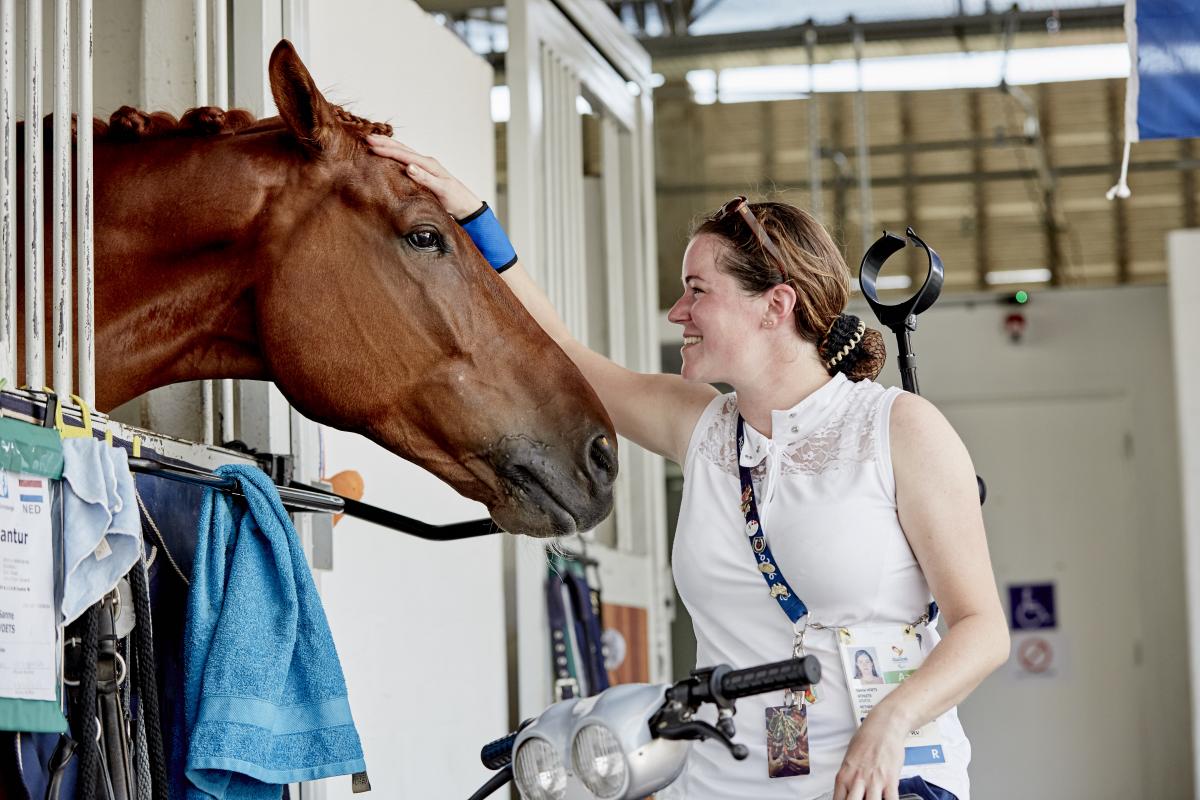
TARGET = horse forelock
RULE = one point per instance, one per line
(129, 124)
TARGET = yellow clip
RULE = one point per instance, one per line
(108, 436)
(70, 431)
(844, 635)
(137, 446)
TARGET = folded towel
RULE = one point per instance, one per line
(103, 531)
(265, 699)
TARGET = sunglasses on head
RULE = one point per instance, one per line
(739, 205)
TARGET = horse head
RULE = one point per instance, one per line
(318, 265)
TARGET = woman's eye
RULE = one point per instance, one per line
(425, 240)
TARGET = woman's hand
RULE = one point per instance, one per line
(871, 767)
(457, 199)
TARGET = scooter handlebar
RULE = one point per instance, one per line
(790, 674)
(498, 754)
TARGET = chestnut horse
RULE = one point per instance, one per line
(284, 250)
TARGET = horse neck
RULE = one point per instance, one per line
(175, 262)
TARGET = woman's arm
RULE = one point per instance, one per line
(657, 412)
(938, 504)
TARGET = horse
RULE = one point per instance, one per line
(284, 250)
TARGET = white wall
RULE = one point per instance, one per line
(1089, 395)
(419, 625)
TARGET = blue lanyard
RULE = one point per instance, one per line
(788, 600)
(783, 593)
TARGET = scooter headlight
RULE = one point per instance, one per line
(538, 771)
(599, 761)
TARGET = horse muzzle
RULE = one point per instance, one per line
(554, 490)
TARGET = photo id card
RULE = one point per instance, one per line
(787, 741)
(878, 658)
(28, 630)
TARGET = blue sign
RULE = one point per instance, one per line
(1031, 606)
(1163, 96)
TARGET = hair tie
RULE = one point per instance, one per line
(829, 330)
(850, 345)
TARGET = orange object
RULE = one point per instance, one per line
(347, 483)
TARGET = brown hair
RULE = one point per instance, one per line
(814, 267)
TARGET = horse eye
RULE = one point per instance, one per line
(425, 240)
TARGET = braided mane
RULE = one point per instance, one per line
(128, 124)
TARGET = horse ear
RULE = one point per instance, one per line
(307, 114)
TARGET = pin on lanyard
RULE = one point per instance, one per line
(778, 586)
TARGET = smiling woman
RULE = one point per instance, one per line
(868, 494)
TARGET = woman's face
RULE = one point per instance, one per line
(719, 319)
(865, 665)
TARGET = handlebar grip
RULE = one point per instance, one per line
(498, 754)
(790, 674)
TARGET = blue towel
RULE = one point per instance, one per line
(102, 528)
(265, 700)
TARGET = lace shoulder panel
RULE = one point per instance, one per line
(846, 438)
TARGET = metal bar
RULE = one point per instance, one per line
(837, 134)
(298, 496)
(220, 54)
(220, 97)
(35, 310)
(1048, 186)
(983, 259)
(414, 527)
(60, 246)
(8, 194)
(949, 27)
(85, 260)
(814, 125)
(295, 498)
(1120, 208)
(200, 64)
(896, 181)
(200, 50)
(1187, 186)
(577, 231)
(866, 213)
(915, 264)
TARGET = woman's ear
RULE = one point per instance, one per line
(781, 302)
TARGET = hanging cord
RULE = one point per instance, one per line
(162, 543)
(85, 707)
(1121, 189)
(147, 674)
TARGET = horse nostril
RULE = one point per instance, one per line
(602, 458)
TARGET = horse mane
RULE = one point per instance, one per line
(129, 124)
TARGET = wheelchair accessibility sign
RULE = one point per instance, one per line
(1031, 607)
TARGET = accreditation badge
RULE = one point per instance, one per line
(878, 658)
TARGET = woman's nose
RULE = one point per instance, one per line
(678, 313)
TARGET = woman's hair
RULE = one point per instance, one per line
(857, 671)
(815, 269)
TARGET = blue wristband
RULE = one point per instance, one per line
(489, 236)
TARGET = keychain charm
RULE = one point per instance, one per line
(787, 739)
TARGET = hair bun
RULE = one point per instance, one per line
(853, 349)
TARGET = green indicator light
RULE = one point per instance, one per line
(1022, 297)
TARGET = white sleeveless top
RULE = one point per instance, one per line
(827, 501)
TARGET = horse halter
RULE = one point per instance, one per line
(740, 206)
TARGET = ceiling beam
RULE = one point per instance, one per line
(1070, 19)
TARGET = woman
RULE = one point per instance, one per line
(864, 668)
(866, 497)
